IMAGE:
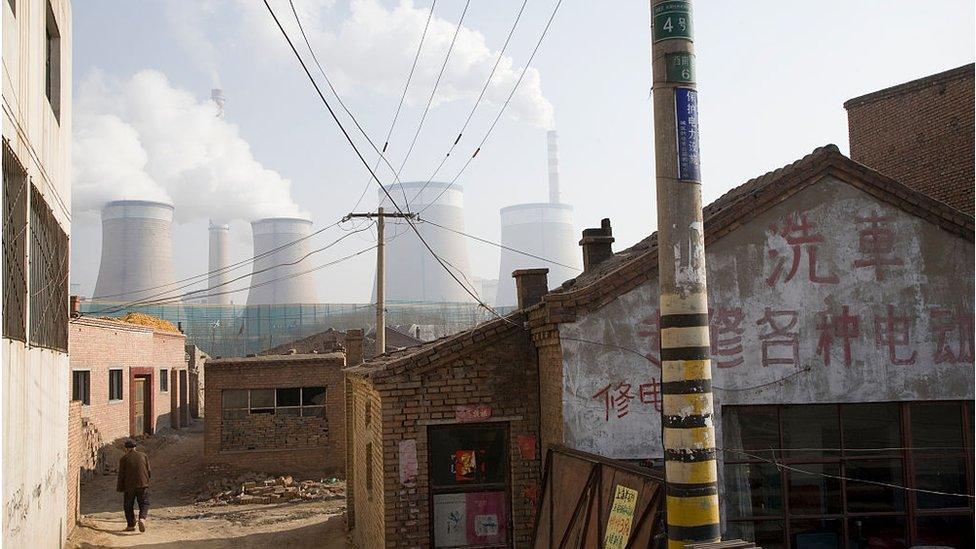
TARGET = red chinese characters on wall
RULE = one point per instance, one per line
(649, 328)
(840, 329)
(800, 235)
(892, 333)
(952, 332)
(725, 335)
(876, 244)
(780, 340)
(616, 398)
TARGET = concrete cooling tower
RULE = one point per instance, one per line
(273, 280)
(542, 229)
(219, 255)
(137, 251)
(412, 273)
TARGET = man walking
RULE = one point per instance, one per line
(133, 482)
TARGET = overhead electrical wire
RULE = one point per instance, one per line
(477, 102)
(502, 110)
(433, 92)
(362, 159)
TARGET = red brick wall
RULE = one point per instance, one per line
(550, 387)
(366, 508)
(269, 372)
(99, 346)
(75, 449)
(503, 377)
(920, 134)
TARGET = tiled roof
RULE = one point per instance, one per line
(332, 339)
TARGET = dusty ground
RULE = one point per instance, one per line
(176, 520)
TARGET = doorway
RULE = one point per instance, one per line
(470, 492)
(141, 405)
(184, 407)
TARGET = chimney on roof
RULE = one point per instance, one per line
(75, 302)
(354, 347)
(530, 286)
(596, 245)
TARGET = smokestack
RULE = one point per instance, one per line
(217, 96)
(218, 259)
(137, 251)
(279, 277)
(554, 198)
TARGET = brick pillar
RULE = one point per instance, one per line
(597, 245)
(354, 347)
(530, 286)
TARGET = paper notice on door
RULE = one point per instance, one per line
(621, 518)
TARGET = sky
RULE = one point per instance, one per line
(772, 83)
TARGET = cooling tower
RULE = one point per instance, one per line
(279, 277)
(218, 259)
(545, 230)
(137, 251)
(412, 273)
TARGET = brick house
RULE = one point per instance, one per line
(920, 133)
(130, 378)
(332, 339)
(276, 413)
(443, 446)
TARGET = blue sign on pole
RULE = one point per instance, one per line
(686, 127)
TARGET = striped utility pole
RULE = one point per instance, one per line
(689, 436)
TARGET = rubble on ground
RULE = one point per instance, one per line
(255, 488)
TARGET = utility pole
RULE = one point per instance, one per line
(380, 216)
(688, 432)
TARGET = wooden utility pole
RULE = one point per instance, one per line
(380, 216)
(688, 432)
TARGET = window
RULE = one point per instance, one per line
(81, 386)
(289, 401)
(52, 63)
(369, 467)
(115, 384)
(368, 411)
(163, 380)
(48, 274)
(14, 246)
(785, 468)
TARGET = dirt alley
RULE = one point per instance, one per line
(176, 520)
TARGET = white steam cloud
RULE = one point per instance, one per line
(142, 138)
(374, 47)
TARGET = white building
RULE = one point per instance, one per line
(36, 225)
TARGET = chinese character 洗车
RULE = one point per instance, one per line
(876, 243)
(798, 232)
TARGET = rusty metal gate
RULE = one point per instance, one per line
(585, 495)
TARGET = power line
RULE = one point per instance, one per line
(502, 246)
(366, 164)
(502, 110)
(433, 91)
(477, 102)
(150, 301)
(221, 270)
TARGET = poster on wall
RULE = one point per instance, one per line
(470, 519)
(465, 465)
(621, 518)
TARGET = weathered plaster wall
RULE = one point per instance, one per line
(908, 323)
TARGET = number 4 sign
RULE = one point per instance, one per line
(672, 20)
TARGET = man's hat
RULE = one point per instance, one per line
(129, 443)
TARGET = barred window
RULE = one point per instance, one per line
(14, 247)
(48, 269)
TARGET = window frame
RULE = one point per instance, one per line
(16, 213)
(305, 411)
(164, 380)
(907, 458)
(52, 62)
(121, 385)
(86, 400)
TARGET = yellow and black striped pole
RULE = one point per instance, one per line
(689, 436)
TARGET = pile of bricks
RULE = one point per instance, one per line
(270, 490)
(91, 460)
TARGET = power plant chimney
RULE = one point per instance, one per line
(551, 138)
(217, 264)
(137, 251)
(279, 277)
(217, 96)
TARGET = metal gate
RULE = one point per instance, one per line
(591, 501)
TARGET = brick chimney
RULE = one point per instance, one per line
(530, 286)
(596, 245)
(354, 347)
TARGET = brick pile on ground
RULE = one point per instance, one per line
(91, 454)
(254, 488)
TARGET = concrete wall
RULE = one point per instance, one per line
(195, 366)
(34, 380)
(929, 292)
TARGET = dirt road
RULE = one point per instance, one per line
(176, 520)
